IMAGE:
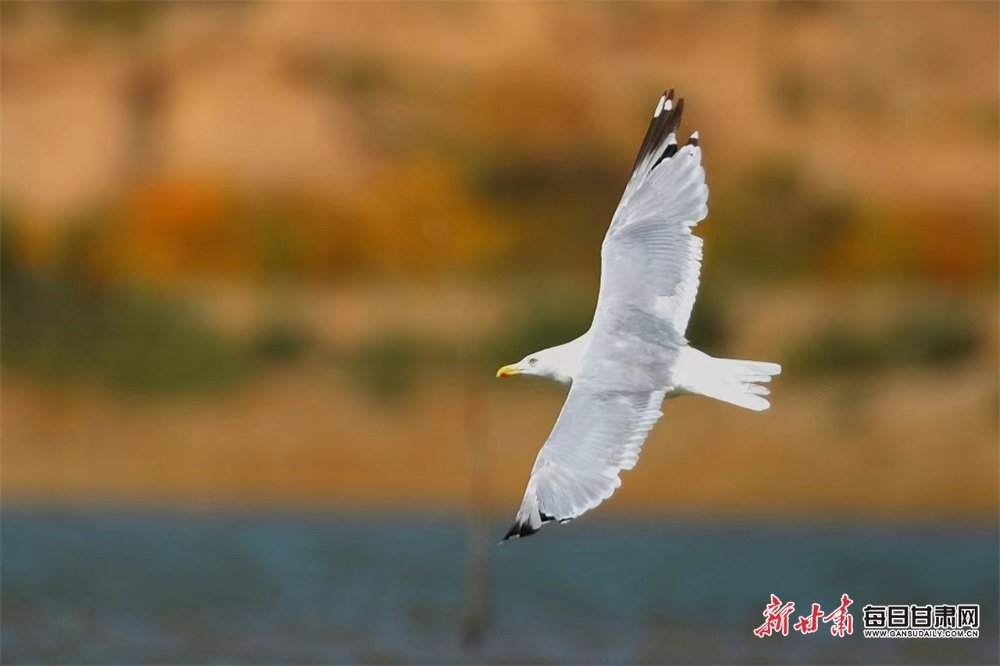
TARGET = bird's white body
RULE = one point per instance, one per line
(635, 353)
(693, 373)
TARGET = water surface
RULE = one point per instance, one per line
(103, 587)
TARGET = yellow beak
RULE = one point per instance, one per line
(508, 371)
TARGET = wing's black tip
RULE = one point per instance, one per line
(524, 529)
(666, 119)
(517, 530)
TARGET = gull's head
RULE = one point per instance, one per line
(532, 364)
(557, 363)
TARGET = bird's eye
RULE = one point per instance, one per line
(532, 362)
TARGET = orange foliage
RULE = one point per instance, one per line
(418, 218)
(171, 229)
(950, 246)
(35, 244)
(415, 217)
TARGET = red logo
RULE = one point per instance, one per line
(841, 622)
(776, 616)
(809, 624)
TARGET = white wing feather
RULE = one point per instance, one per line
(598, 434)
(653, 227)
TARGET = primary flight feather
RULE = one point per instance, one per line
(635, 354)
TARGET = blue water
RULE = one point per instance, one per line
(109, 587)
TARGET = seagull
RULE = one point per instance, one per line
(635, 354)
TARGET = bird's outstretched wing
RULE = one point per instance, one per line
(613, 404)
(650, 264)
(599, 433)
(649, 256)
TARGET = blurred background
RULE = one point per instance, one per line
(260, 262)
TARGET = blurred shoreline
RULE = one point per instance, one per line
(864, 436)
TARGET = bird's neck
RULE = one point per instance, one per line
(569, 358)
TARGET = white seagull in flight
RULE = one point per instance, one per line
(635, 354)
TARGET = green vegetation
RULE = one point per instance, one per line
(931, 338)
(388, 368)
(126, 338)
(115, 17)
(281, 340)
(63, 323)
(936, 337)
(778, 223)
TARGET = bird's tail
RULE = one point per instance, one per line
(734, 381)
